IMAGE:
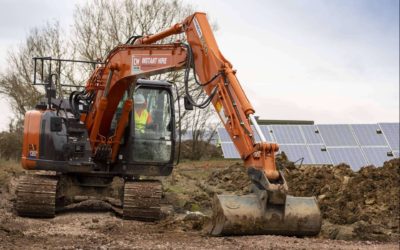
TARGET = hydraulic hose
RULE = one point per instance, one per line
(190, 64)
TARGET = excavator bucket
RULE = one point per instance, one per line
(267, 210)
(244, 215)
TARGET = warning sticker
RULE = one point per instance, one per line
(220, 111)
(32, 151)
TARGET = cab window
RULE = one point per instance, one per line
(152, 125)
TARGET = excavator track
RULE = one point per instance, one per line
(142, 200)
(36, 196)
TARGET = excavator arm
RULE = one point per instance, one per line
(268, 209)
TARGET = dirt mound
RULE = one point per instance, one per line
(361, 205)
(232, 179)
(367, 200)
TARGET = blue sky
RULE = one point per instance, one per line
(328, 61)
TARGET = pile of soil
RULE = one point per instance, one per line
(361, 205)
(233, 179)
(367, 201)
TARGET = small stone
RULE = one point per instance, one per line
(346, 180)
(95, 220)
(369, 201)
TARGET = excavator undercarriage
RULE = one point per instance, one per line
(44, 195)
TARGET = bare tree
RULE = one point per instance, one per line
(100, 25)
(202, 126)
(16, 81)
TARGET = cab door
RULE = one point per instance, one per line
(153, 125)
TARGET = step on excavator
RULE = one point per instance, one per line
(113, 137)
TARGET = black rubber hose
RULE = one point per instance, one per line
(189, 64)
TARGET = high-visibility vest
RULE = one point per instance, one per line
(141, 120)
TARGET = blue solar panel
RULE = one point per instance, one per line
(296, 152)
(351, 156)
(287, 134)
(223, 135)
(266, 132)
(256, 137)
(229, 150)
(377, 155)
(337, 135)
(367, 135)
(320, 157)
(309, 132)
(391, 132)
(356, 145)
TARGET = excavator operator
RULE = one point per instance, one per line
(142, 115)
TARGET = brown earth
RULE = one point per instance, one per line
(368, 212)
(361, 205)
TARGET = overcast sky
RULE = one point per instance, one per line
(327, 61)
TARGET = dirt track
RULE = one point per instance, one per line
(188, 188)
(104, 231)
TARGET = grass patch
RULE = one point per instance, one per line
(175, 189)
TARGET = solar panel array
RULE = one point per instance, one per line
(354, 144)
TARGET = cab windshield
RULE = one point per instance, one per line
(152, 125)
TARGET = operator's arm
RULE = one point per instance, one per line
(149, 119)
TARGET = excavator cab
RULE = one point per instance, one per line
(148, 145)
(153, 123)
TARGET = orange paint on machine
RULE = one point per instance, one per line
(30, 146)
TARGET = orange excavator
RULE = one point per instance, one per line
(108, 140)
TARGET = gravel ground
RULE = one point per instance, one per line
(106, 231)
